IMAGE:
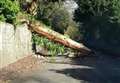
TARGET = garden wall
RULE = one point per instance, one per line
(15, 43)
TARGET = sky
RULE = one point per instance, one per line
(70, 5)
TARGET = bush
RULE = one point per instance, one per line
(52, 47)
(9, 10)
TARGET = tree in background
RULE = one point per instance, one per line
(46, 9)
(60, 20)
(54, 14)
(100, 20)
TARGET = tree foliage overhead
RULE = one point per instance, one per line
(100, 19)
(98, 7)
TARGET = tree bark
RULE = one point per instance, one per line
(59, 38)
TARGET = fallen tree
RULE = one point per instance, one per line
(57, 37)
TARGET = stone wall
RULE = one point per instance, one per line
(15, 43)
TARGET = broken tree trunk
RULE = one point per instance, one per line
(57, 37)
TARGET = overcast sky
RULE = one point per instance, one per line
(71, 5)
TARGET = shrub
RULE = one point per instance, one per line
(52, 47)
(9, 10)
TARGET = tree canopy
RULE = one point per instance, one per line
(100, 20)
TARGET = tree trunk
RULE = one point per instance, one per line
(59, 38)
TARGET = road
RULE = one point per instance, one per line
(96, 69)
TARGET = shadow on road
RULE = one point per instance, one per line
(97, 69)
(94, 69)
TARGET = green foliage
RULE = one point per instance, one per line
(100, 20)
(88, 8)
(23, 17)
(52, 47)
(73, 31)
(53, 14)
(2, 18)
(45, 10)
(9, 9)
(60, 20)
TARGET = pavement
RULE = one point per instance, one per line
(95, 69)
